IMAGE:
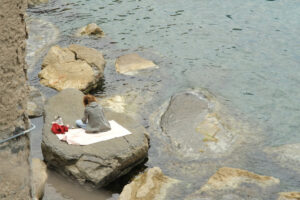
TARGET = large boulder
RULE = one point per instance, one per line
(73, 67)
(90, 29)
(96, 164)
(131, 63)
(231, 183)
(38, 179)
(287, 156)
(150, 185)
(35, 103)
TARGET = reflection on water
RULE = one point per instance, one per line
(245, 52)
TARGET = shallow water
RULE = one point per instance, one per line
(247, 53)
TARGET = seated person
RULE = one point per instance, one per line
(94, 120)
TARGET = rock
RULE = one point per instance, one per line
(35, 103)
(58, 55)
(73, 67)
(116, 103)
(39, 178)
(289, 196)
(96, 164)
(93, 57)
(77, 74)
(90, 29)
(129, 103)
(151, 185)
(287, 156)
(36, 2)
(191, 122)
(131, 63)
(232, 183)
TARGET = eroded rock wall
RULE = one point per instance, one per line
(14, 167)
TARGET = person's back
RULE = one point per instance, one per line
(95, 118)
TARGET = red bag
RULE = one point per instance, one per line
(59, 129)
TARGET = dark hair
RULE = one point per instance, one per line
(88, 99)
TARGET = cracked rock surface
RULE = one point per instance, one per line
(76, 67)
(96, 164)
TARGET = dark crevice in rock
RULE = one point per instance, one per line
(117, 185)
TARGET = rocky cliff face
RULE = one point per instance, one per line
(14, 168)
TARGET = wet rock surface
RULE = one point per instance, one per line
(73, 67)
(191, 124)
(287, 156)
(150, 185)
(131, 63)
(232, 183)
(35, 103)
(96, 164)
(90, 29)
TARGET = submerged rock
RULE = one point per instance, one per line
(191, 124)
(231, 183)
(35, 103)
(131, 63)
(96, 164)
(289, 196)
(150, 185)
(116, 103)
(39, 178)
(90, 29)
(129, 103)
(286, 155)
(73, 67)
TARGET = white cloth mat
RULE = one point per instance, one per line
(78, 136)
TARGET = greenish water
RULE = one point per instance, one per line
(247, 53)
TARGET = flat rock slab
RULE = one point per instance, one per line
(152, 184)
(73, 67)
(232, 183)
(131, 63)
(191, 124)
(96, 164)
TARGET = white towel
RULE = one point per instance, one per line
(78, 136)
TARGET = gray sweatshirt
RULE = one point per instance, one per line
(95, 119)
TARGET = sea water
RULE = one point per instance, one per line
(246, 53)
